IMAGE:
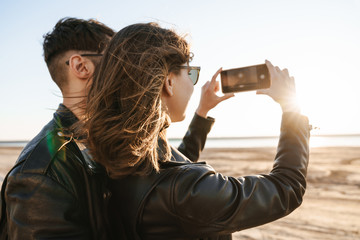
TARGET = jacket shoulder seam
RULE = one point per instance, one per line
(31, 175)
(44, 152)
(184, 169)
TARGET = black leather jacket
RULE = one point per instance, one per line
(56, 192)
(192, 201)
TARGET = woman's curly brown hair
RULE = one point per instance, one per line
(125, 119)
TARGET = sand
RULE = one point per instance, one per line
(331, 207)
(8, 156)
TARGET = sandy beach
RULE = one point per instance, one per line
(331, 207)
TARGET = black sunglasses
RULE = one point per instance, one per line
(87, 55)
(194, 73)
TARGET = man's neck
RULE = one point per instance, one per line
(76, 105)
(74, 96)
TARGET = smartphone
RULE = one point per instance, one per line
(245, 78)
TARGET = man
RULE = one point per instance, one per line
(55, 190)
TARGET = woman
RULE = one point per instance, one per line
(143, 85)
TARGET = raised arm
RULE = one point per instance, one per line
(194, 140)
(221, 204)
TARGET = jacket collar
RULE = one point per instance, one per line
(64, 118)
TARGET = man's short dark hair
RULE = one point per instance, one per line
(73, 34)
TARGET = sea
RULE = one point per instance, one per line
(251, 142)
(272, 141)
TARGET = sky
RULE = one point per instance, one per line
(318, 41)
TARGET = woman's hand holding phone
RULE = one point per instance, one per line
(282, 88)
(209, 99)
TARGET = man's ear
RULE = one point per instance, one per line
(168, 85)
(81, 67)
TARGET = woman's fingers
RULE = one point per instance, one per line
(262, 91)
(226, 96)
(213, 79)
(217, 86)
(286, 72)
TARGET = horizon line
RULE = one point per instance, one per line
(225, 137)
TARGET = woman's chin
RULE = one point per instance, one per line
(178, 118)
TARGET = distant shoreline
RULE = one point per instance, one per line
(240, 137)
(256, 137)
(326, 140)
